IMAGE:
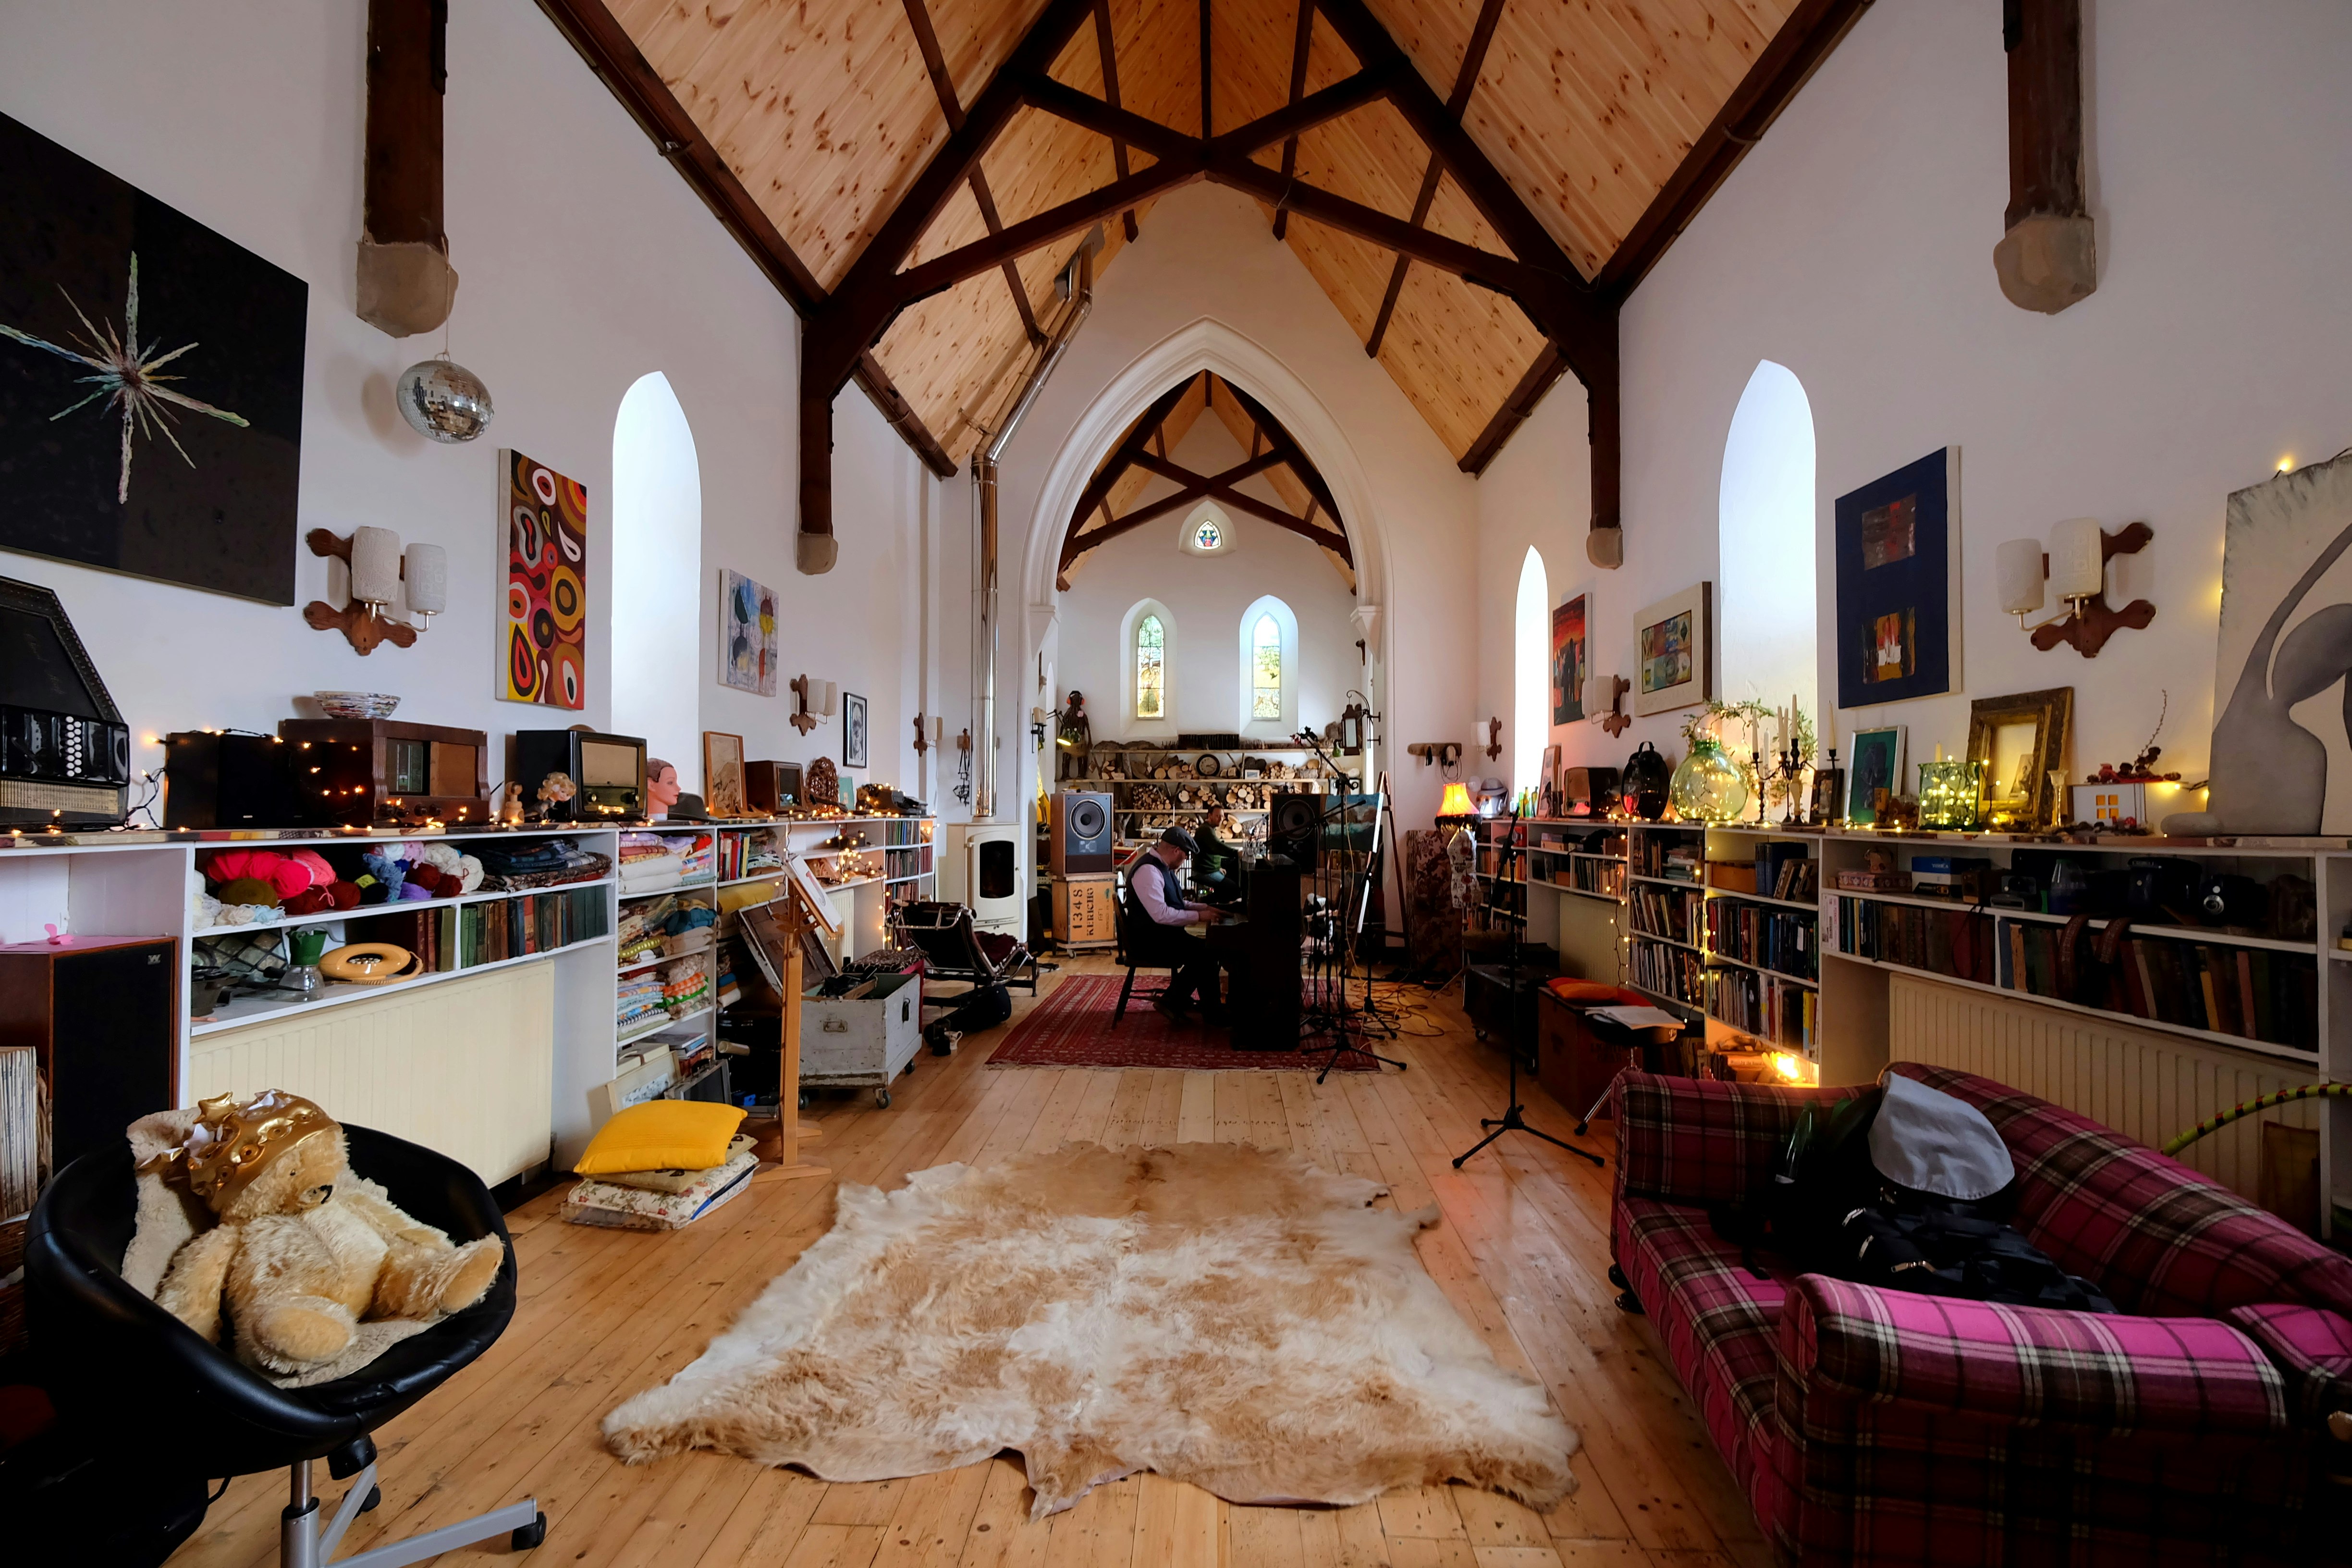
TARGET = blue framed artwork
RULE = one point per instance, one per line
(1898, 569)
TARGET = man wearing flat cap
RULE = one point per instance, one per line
(1163, 939)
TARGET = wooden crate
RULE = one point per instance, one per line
(864, 1038)
(1086, 912)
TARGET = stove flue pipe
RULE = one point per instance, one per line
(1077, 288)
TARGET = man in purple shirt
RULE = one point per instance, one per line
(1163, 939)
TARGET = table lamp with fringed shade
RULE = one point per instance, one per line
(1455, 802)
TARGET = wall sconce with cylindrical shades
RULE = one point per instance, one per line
(2075, 568)
(1602, 695)
(379, 569)
(812, 700)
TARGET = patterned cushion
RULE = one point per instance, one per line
(2159, 1239)
(1697, 1140)
(1717, 1320)
(2314, 1348)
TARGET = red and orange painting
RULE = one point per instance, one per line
(547, 586)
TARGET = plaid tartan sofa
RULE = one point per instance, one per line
(1870, 1426)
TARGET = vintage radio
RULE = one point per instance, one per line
(64, 752)
(217, 780)
(385, 772)
(772, 786)
(1589, 791)
(609, 771)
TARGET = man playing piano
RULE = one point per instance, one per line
(1167, 914)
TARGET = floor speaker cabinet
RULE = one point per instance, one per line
(1080, 838)
(102, 1016)
(1086, 912)
(1294, 828)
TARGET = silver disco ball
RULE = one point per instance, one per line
(443, 401)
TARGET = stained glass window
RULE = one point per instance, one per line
(1265, 669)
(1151, 667)
(1208, 536)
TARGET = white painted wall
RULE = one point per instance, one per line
(1854, 245)
(1206, 596)
(586, 263)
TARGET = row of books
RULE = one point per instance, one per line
(24, 1130)
(459, 937)
(1761, 934)
(1664, 912)
(1957, 943)
(1764, 1005)
(1682, 860)
(1669, 972)
(2253, 993)
(1786, 870)
(906, 860)
(743, 855)
(1603, 877)
(901, 831)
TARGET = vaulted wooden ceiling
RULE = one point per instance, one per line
(1547, 149)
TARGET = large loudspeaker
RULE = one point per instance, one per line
(1293, 827)
(1082, 839)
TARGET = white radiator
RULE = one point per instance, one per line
(2143, 1083)
(464, 1067)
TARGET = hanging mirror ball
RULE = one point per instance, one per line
(444, 400)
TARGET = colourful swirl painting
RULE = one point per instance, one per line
(547, 585)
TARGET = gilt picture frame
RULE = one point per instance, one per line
(722, 774)
(2021, 739)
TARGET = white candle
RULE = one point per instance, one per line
(1829, 727)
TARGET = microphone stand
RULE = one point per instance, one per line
(1336, 1015)
(1513, 1119)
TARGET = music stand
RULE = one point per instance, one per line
(1333, 1011)
(1513, 1119)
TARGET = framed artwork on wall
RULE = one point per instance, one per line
(1572, 658)
(2022, 740)
(746, 633)
(151, 383)
(1672, 650)
(1878, 763)
(853, 730)
(722, 774)
(545, 632)
(2287, 592)
(1898, 550)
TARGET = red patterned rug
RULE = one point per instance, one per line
(1072, 1028)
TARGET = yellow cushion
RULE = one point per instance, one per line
(662, 1135)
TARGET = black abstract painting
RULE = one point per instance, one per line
(151, 383)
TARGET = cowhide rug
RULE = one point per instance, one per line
(1221, 1314)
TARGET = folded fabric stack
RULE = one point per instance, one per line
(661, 1165)
(686, 986)
(537, 863)
(648, 865)
(639, 936)
(696, 853)
(640, 998)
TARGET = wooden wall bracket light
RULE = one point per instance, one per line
(2075, 567)
(813, 702)
(1494, 739)
(377, 565)
(1603, 698)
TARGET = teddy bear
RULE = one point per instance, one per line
(300, 1251)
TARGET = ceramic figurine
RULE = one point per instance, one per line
(510, 813)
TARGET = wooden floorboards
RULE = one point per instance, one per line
(1521, 1248)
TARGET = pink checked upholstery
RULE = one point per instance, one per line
(1881, 1427)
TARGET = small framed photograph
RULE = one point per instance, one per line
(1672, 651)
(1829, 794)
(1878, 758)
(853, 730)
(722, 774)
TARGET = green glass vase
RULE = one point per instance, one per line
(1710, 785)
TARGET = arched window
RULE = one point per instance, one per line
(657, 577)
(1150, 669)
(1207, 530)
(1766, 544)
(1269, 669)
(1530, 675)
(1265, 669)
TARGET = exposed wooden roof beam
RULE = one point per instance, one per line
(1220, 487)
(608, 50)
(1098, 489)
(1299, 50)
(1466, 81)
(893, 405)
(1208, 116)
(1786, 63)
(935, 65)
(1107, 46)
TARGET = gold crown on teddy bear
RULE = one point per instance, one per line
(231, 1143)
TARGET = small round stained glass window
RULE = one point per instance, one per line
(1208, 535)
